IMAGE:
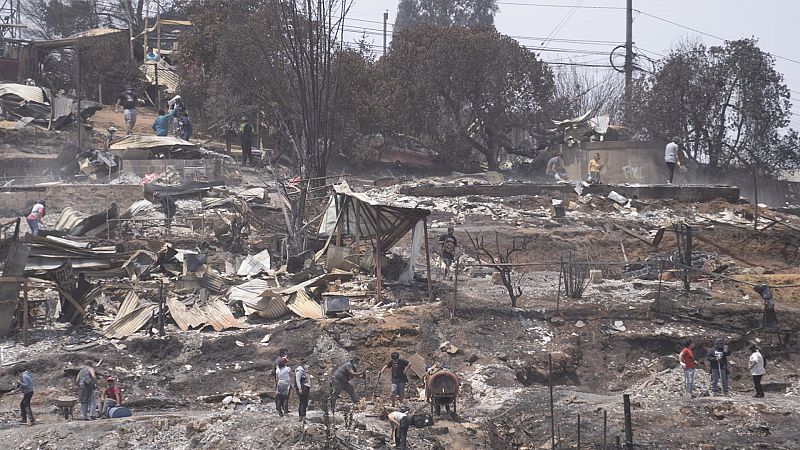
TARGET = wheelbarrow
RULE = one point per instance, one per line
(65, 406)
(441, 387)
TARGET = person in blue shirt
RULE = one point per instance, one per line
(162, 123)
(25, 386)
(151, 55)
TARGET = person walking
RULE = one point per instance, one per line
(671, 157)
(341, 381)
(35, 217)
(246, 140)
(449, 244)
(87, 385)
(283, 384)
(399, 368)
(718, 359)
(689, 364)
(25, 387)
(757, 365)
(128, 101)
(303, 380)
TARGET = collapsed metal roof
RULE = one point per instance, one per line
(389, 222)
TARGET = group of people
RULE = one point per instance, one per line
(717, 357)
(556, 170)
(176, 118)
(299, 380)
(86, 382)
(285, 382)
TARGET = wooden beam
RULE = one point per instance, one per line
(378, 254)
(72, 300)
(427, 259)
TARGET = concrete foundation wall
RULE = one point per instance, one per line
(86, 198)
(190, 169)
(625, 161)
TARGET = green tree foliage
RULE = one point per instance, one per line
(445, 13)
(464, 90)
(728, 103)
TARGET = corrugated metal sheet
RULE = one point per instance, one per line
(149, 141)
(250, 294)
(68, 219)
(130, 303)
(394, 221)
(16, 260)
(212, 282)
(275, 308)
(304, 306)
(185, 317)
(130, 323)
(27, 93)
(166, 76)
(418, 365)
(215, 313)
(220, 317)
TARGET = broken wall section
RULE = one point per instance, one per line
(87, 198)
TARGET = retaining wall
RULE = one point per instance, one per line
(86, 198)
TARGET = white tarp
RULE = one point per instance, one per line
(254, 264)
(417, 235)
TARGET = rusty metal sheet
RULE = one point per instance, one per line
(220, 317)
(185, 317)
(275, 308)
(130, 323)
(304, 306)
(418, 365)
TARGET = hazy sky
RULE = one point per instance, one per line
(773, 22)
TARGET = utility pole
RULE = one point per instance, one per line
(146, 24)
(385, 21)
(78, 89)
(158, 52)
(628, 58)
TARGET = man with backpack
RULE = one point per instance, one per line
(399, 368)
(717, 357)
(87, 385)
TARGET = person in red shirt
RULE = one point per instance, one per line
(689, 364)
(112, 397)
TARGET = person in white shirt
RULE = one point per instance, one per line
(400, 421)
(35, 217)
(756, 365)
(671, 157)
(283, 384)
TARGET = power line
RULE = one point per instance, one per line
(653, 16)
(548, 5)
(561, 24)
